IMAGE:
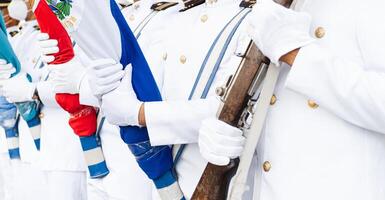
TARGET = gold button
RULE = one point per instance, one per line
(183, 59)
(132, 18)
(41, 115)
(320, 32)
(204, 18)
(273, 100)
(164, 56)
(266, 166)
(312, 104)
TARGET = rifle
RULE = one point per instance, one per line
(237, 104)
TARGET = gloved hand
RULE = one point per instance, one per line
(220, 142)
(6, 70)
(66, 77)
(104, 75)
(121, 106)
(48, 47)
(18, 89)
(277, 30)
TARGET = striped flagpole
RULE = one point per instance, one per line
(12, 136)
(30, 111)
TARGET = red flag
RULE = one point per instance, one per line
(83, 118)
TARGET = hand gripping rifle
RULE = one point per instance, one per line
(237, 105)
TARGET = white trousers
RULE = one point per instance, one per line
(6, 180)
(107, 189)
(65, 185)
(29, 182)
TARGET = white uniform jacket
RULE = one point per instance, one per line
(187, 39)
(324, 136)
(60, 147)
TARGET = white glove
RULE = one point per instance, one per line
(66, 77)
(121, 106)
(6, 69)
(48, 47)
(277, 30)
(220, 142)
(18, 89)
(104, 75)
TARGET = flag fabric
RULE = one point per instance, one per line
(8, 112)
(8, 121)
(28, 110)
(102, 32)
(83, 119)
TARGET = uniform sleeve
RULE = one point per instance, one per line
(178, 122)
(346, 88)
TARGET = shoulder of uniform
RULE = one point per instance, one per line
(159, 6)
(247, 3)
(188, 4)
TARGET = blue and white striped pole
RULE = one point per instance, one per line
(12, 135)
(9, 122)
(93, 153)
(94, 157)
(29, 111)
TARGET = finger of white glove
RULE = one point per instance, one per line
(3, 62)
(7, 67)
(221, 127)
(42, 36)
(49, 50)
(102, 90)
(220, 149)
(4, 76)
(47, 59)
(108, 70)
(212, 158)
(101, 63)
(112, 78)
(48, 43)
(225, 140)
(7, 70)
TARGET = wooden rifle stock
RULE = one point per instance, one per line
(215, 180)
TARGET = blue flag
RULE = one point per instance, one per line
(102, 32)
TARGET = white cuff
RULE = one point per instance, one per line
(159, 132)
